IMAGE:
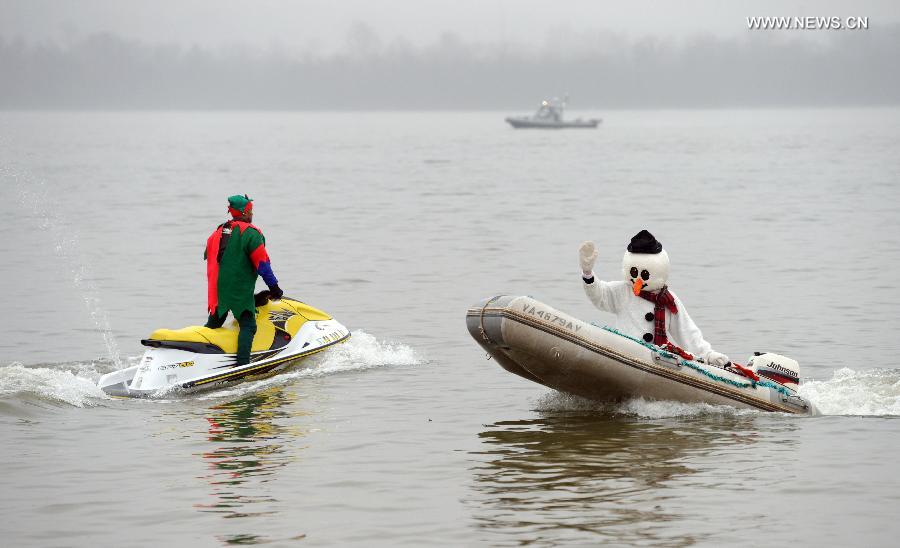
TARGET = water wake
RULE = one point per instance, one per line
(558, 402)
(75, 383)
(361, 352)
(874, 392)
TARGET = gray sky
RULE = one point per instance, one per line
(322, 26)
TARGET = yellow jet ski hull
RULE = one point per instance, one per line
(197, 358)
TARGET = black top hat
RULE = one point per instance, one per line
(644, 242)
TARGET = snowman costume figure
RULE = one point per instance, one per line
(644, 306)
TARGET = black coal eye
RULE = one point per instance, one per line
(645, 275)
(634, 272)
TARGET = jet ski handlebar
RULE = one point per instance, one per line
(262, 297)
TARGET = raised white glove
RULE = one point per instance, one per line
(717, 358)
(587, 255)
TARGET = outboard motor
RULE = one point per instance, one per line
(776, 367)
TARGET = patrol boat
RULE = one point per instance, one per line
(199, 358)
(550, 116)
(537, 342)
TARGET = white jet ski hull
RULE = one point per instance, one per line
(543, 345)
(170, 369)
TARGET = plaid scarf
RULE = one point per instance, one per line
(661, 302)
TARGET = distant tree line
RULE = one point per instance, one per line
(105, 71)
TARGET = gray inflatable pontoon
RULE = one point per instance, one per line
(543, 345)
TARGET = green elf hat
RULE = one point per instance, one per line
(239, 205)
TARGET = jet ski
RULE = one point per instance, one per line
(539, 343)
(199, 358)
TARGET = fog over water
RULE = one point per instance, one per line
(320, 26)
(308, 56)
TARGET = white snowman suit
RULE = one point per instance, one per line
(634, 316)
(646, 265)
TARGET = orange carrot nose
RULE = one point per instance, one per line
(638, 285)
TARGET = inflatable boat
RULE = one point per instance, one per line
(199, 358)
(546, 346)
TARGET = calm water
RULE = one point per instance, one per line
(781, 226)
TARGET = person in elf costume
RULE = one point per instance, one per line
(235, 254)
(644, 306)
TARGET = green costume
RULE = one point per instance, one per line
(235, 254)
(235, 277)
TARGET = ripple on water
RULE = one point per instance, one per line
(579, 475)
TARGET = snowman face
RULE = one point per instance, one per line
(651, 268)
